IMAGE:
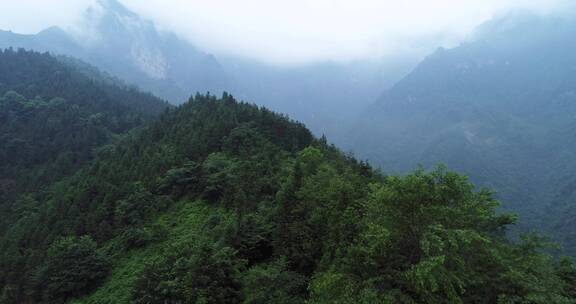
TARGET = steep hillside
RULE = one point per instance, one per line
(54, 113)
(499, 108)
(224, 202)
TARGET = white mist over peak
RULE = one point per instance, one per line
(108, 24)
(290, 32)
(303, 31)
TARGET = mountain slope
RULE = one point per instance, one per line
(54, 112)
(498, 108)
(224, 202)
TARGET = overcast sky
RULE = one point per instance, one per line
(292, 31)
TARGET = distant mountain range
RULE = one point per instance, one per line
(501, 108)
(120, 42)
(325, 96)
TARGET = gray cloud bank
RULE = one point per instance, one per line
(291, 32)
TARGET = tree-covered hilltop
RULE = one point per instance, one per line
(223, 202)
(54, 111)
(33, 74)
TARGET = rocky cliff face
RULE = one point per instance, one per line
(132, 48)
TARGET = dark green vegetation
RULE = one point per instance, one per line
(223, 202)
(54, 112)
(499, 109)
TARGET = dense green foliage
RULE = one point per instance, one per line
(54, 112)
(219, 201)
(223, 202)
(72, 267)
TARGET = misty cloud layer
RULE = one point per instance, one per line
(296, 31)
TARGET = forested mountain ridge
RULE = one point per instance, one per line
(498, 108)
(54, 112)
(223, 202)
